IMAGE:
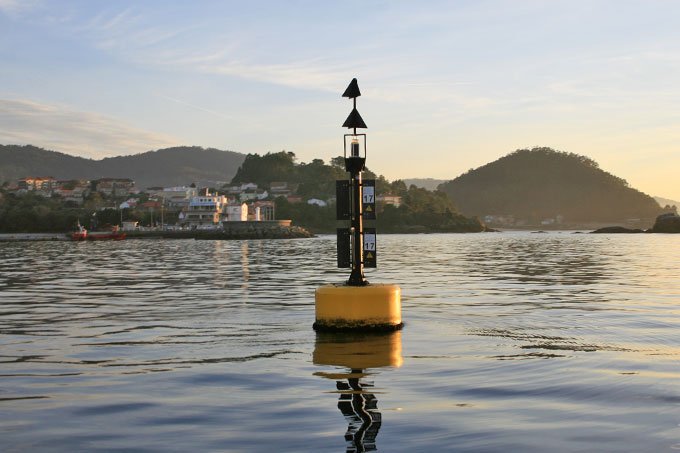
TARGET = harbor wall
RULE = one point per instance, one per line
(34, 237)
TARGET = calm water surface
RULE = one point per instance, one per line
(513, 342)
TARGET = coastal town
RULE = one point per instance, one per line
(173, 208)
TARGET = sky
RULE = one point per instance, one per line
(446, 85)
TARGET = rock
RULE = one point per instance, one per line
(666, 223)
(617, 229)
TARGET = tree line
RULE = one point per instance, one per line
(421, 210)
(32, 213)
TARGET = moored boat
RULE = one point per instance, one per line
(100, 235)
(82, 234)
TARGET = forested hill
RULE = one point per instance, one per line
(315, 179)
(542, 183)
(165, 167)
(420, 210)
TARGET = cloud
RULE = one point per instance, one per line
(16, 8)
(306, 75)
(63, 129)
(135, 34)
(197, 107)
(111, 21)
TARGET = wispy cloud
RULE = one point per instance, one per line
(135, 34)
(110, 21)
(301, 74)
(76, 132)
(17, 8)
(197, 107)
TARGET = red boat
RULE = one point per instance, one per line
(82, 234)
(114, 235)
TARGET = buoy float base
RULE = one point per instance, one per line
(374, 307)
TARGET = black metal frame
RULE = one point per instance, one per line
(354, 165)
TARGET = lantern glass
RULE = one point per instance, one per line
(355, 145)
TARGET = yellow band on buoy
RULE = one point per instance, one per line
(376, 306)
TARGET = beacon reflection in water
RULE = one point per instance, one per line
(358, 353)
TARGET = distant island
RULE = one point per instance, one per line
(667, 203)
(549, 188)
(425, 183)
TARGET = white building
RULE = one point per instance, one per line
(186, 192)
(253, 194)
(248, 185)
(389, 198)
(130, 225)
(237, 212)
(317, 202)
(38, 184)
(240, 188)
(131, 203)
(174, 197)
(205, 210)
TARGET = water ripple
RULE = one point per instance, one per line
(510, 339)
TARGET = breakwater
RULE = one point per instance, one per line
(11, 237)
(266, 229)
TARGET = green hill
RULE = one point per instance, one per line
(542, 183)
(420, 210)
(165, 167)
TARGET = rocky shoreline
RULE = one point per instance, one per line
(665, 223)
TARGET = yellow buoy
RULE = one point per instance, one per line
(344, 307)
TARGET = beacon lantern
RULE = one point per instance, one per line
(356, 303)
